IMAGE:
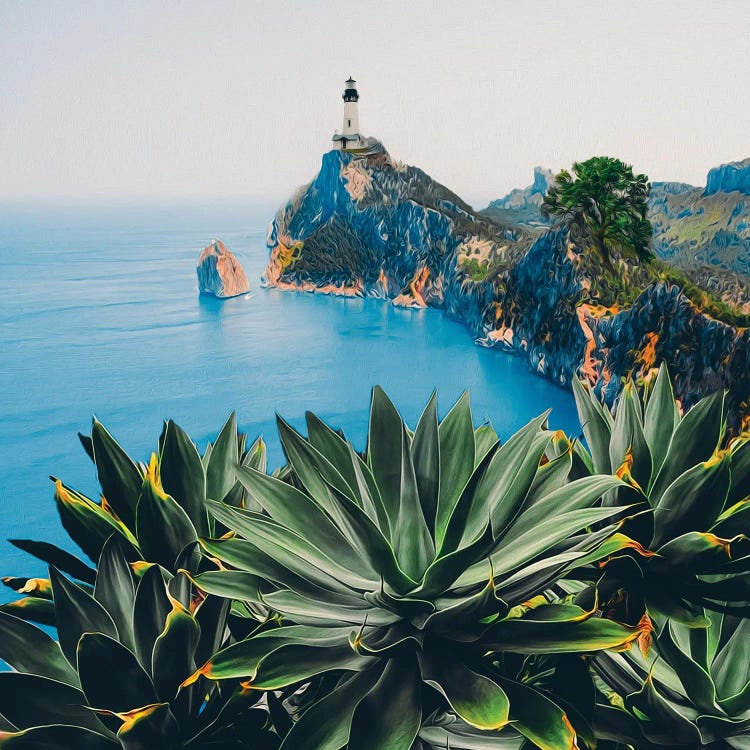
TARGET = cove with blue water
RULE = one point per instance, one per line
(100, 314)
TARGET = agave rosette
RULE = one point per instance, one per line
(158, 509)
(691, 690)
(696, 494)
(113, 678)
(400, 571)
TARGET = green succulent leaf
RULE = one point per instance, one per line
(30, 700)
(53, 555)
(477, 699)
(164, 528)
(27, 649)
(56, 737)
(397, 696)
(77, 613)
(182, 475)
(223, 455)
(111, 676)
(119, 477)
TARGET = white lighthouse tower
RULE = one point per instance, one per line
(349, 138)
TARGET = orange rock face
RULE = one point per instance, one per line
(220, 273)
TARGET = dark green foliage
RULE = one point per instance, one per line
(606, 201)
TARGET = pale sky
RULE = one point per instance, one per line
(214, 98)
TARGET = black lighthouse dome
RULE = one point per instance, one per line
(350, 92)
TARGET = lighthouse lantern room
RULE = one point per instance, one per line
(349, 138)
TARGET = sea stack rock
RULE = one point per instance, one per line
(220, 273)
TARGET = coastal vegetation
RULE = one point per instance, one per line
(441, 588)
(607, 202)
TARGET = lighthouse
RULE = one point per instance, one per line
(349, 138)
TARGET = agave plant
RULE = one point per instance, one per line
(113, 679)
(694, 490)
(412, 579)
(693, 691)
(157, 509)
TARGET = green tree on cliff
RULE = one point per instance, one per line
(608, 203)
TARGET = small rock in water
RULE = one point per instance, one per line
(220, 273)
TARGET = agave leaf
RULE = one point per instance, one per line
(223, 455)
(731, 667)
(390, 714)
(693, 500)
(77, 613)
(164, 528)
(39, 587)
(460, 736)
(183, 476)
(628, 438)
(172, 660)
(150, 610)
(412, 541)
(664, 724)
(275, 659)
(696, 680)
(551, 476)
(32, 609)
(111, 676)
(87, 523)
(56, 737)
(30, 700)
(327, 723)
(694, 441)
(559, 629)
(231, 584)
(293, 550)
(537, 718)
(478, 700)
(305, 610)
(659, 419)
(27, 649)
(597, 426)
(704, 552)
(313, 469)
(740, 473)
(118, 475)
(457, 454)
(114, 589)
(149, 726)
(333, 447)
(485, 440)
(384, 450)
(250, 558)
(508, 478)
(297, 511)
(256, 456)
(53, 555)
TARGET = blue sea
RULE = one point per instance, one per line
(100, 314)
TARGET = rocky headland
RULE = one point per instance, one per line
(368, 225)
(220, 273)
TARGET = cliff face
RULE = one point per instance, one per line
(695, 227)
(367, 225)
(729, 177)
(523, 205)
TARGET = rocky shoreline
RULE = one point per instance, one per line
(370, 226)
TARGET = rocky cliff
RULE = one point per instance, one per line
(694, 227)
(368, 225)
(729, 177)
(523, 205)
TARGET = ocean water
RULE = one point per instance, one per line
(100, 314)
